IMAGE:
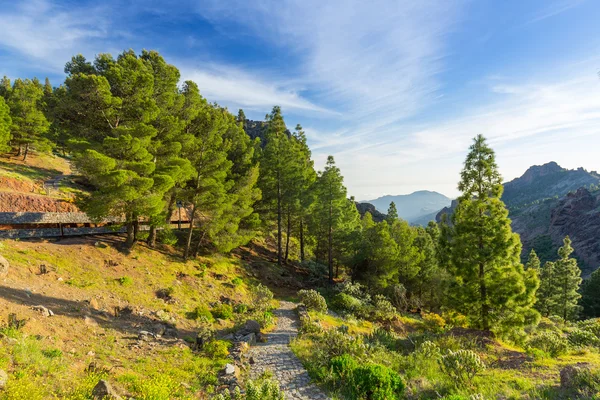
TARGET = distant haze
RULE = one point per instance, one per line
(412, 207)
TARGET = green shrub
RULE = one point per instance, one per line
(240, 309)
(222, 311)
(383, 310)
(166, 236)
(261, 297)
(237, 281)
(344, 302)
(461, 366)
(430, 350)
(580, 338)
(590, 325)
(338, 343)
(341, 367)
(52, 353)
(585, 383)
(376, 382)
(265, 319)
(266, 389)
(550, 343)
(217, 348)
(313, 300)
(201, 313)
(385, 338)
(125, 281)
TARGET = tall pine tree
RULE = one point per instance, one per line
(566, 280)
(5, 124)
(489, 285)
(392, 213)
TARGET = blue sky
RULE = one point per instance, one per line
(394, 89)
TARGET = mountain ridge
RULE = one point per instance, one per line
(413, 206)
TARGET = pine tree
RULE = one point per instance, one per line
(5, 124)
(375, 261)
(392, 213)
(333, 214)
(425, 282)
(409, 256)
(28, 121)
(533, 262)
(489, 284)
(566, 280)
(545, 299)
(590, 295)
(109, 112)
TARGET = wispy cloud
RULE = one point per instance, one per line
(236, 87)
(554, 8)
(49, 34)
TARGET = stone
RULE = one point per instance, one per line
(43, 310)
(252, 326)
(104, 391)
(3, 379)
(4, 265)
(570, 373)
(249, 338)
(229, 369)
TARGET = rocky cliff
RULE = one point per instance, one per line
(363, 208)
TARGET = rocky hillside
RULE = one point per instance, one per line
(364, 208)
(414, 206)
(541, 182)
(544, 220)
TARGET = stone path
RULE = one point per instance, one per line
(275, 355)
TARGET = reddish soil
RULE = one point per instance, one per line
(18, 202)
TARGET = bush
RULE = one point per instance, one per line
(237, 281)
(217, 348)
(461, 366)
(125, 281)
(344, 302)
(313, 300)
(429, 350)
(52, 353)
(550, 343)
(583, 382)
(265, 319)
(590, 325)
(201, 313)
(261, 297)
(240, 309)
(222, 311)
(385, 338)
(383, 310)
(341, 367)
(267, 389)
(337, 343)
(166, 236)
(580, 338)
(376, 382)
(455, 320)
(316, 269)
(433, 322)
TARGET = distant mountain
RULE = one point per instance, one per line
(548, 203)
(414, 206)
(364, 208)
(546, 181)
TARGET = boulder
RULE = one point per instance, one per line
(249, 338)
(3, 379)
(3, 267)
(569, 375)
(229, 369)
(252, 326)
(103, 391)
(43, 310)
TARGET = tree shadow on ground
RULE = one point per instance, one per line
(128, 322)
(29, 171)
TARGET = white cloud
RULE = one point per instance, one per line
(235, 87)
(49, 34)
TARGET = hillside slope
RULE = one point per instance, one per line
(103, 301)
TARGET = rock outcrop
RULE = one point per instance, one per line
(364, 208)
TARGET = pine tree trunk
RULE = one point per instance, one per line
(330, 245)
(152, 236)
(302, 239)
(136, 228)
(287, 236)
(170, 209)
(279, 260)
(130, 236)
(26, 152)
(188, 244)
(198, 245)
(19, 151)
